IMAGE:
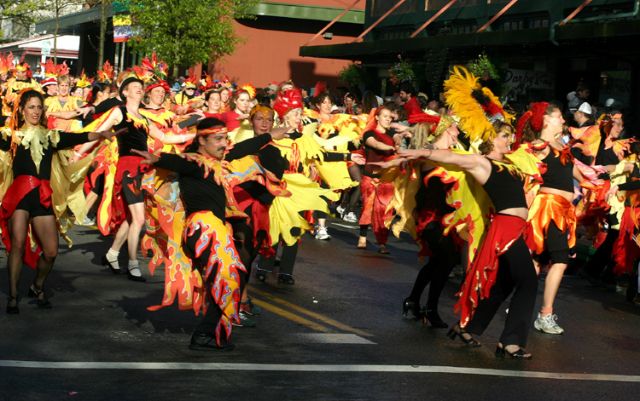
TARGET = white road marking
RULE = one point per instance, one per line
(350, 227)
(334, 338)
(272, 367)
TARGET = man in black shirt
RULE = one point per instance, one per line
(207, 239)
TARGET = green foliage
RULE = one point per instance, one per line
(482, 66)
(402, 71)
(352, 75)
(20, 12)
(186, 32)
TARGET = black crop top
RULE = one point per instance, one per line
(558, 176)
(505, 190)
(136, 135)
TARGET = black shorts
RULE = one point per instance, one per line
(31, 203)
(556, 245)
(132, 187)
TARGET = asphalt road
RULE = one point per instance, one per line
(337, 334)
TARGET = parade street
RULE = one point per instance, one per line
(337, 334)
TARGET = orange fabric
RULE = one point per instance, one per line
(482, 273)
(20, 187)
(626, 245)
(376, 196)
(547, 208)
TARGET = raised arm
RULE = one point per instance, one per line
(157, 133)
(476, 165)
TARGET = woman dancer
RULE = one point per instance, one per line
(28, 224)
(503, 263)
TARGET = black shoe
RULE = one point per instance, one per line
(410, 309)
(261, 274)
(457, 331)
(12, 309)
(284, 278)
(114, 270)
(502, 352)
(435, 320)
(206, 342)
(139, 279)
(34, 292)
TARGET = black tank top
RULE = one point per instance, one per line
(558, 175)
(136, 135)
(504, 189)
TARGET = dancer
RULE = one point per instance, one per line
(207, 237)
(552, 218)
(431, 208)
(122, 208)
(27, 219)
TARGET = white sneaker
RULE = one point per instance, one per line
(87, 222)
(350, 217)
(340, 211)
(321, 233)
(547, 324)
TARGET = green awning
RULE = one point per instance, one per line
(265, 9)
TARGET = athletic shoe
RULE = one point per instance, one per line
(350, 217)
(547, 324)
(245, 320)
(322, 234)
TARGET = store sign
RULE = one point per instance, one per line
(122, 30)
(519, 82)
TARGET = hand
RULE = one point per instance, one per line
(279, 133)
(110, 134)
(628, 167)
(358, 159)
(149, 158)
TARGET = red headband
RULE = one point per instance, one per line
(212, 130)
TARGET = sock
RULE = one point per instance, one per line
(134, 269)
(112, 257)
(545, 311)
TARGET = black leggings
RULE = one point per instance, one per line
(243, 240)
(515, 271)
(442, 260)
(287, 259)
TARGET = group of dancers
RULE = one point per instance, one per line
(207, 182)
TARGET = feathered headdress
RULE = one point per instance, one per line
(106, 74)
(191, 82)
(534, 116)
(22, 65)
(250, 89)
(83, 81)
(287, 101)
(154, 73)
(53, 70)
(207, 83)
(6, 63)
(320, 87)
(476, 106)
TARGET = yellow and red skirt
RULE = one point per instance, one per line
(548, 208)
(376, 196)
(482, 274)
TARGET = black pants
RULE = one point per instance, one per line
(444, 256)
(243, 240)
(599, 265)
(515, 271)
(287, 259)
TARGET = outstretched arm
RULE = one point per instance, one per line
(478, 166)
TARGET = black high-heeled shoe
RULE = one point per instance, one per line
(12, 309)
(434, 319)
(502, 352)
(261, 274)
(284, 278)
(410, 309)
(457, 331)
(106, 262)
(34, 292)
